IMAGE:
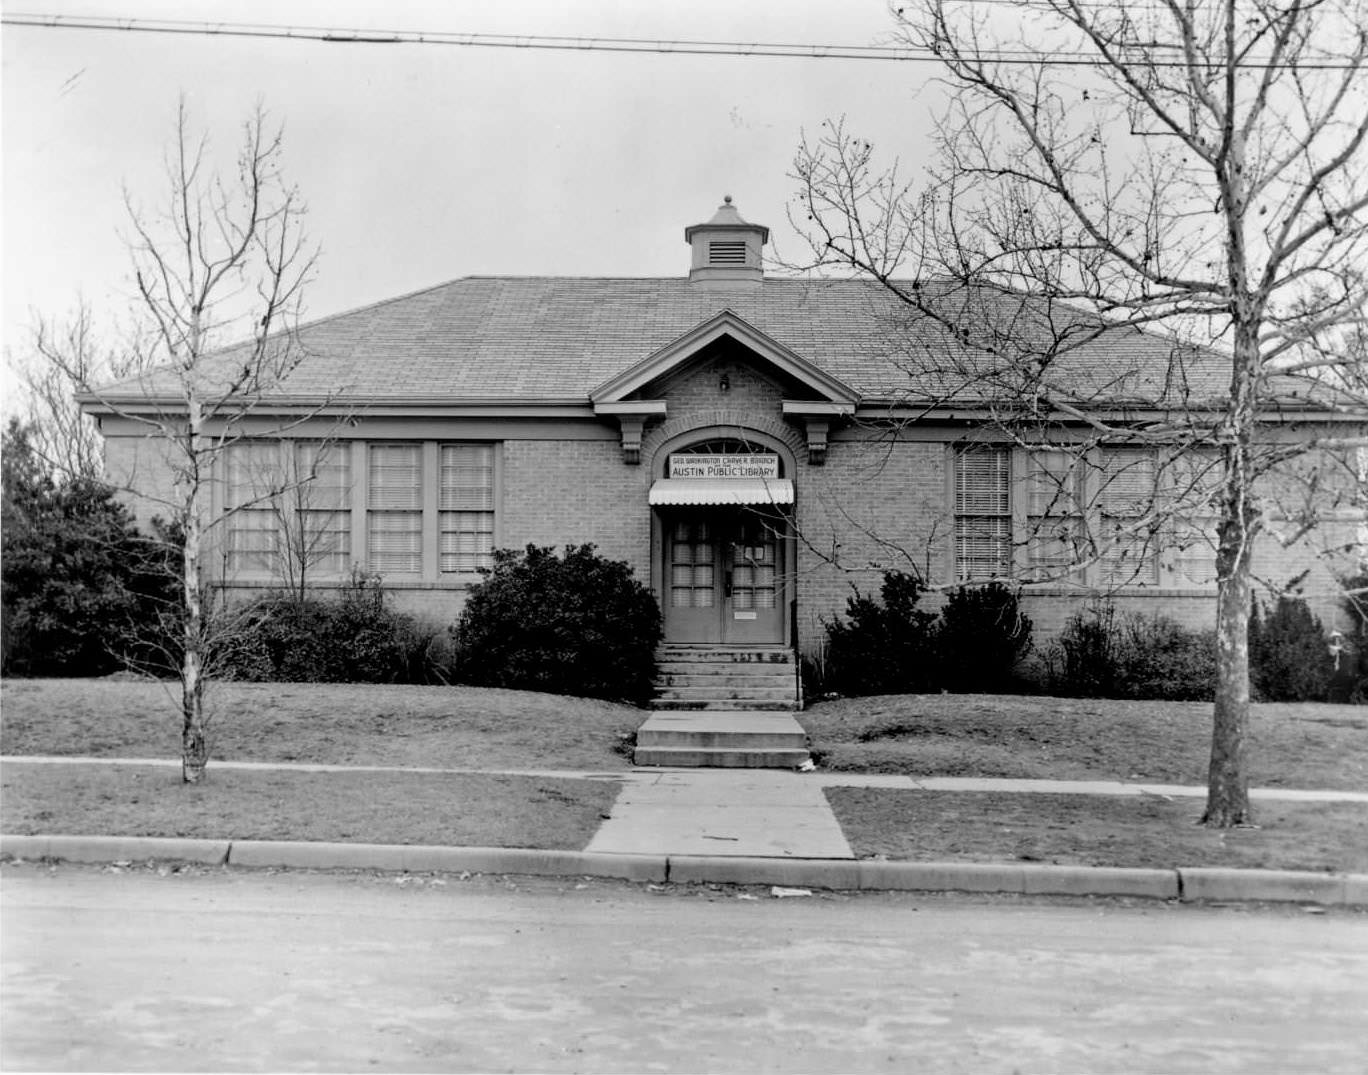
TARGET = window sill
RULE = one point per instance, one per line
(454, 582)
(1056, 590)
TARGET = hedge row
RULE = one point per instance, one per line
(980, 641)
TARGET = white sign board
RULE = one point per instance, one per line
(724, 466)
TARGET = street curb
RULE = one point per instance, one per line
(1186, 883)
(116, 849)
(1213, 883)
(447, 859)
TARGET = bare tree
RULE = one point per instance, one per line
(1193, 168)
(221, 259)
(63, 355)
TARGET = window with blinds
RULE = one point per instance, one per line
(322, 500)
(254, 478)
(466, 507)
(394, 516)
(1126, 502)
(1196, 480)
(1054, 512)
(983, 513)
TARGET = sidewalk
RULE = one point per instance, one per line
(738, 826)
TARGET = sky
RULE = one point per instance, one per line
(421, 164)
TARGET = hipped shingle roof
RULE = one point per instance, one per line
(557, 338)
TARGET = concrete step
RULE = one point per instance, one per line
(732, 739)
(713, 731)
(700, 758)
(727, 704)
(732, 655)
(724, 678)
(756, 692)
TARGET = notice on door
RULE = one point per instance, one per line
(724, 466)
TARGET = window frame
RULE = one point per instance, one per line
(958, 452)
(356, 515)
(1164, 556)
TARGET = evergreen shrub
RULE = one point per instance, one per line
(576, 624)
(1349, 678)
(83, 589)
(886, 645)
(1289, 654)
(981, 639)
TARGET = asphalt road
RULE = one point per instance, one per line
(238, 970)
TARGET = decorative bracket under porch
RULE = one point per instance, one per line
(817, 418)
(632, 416)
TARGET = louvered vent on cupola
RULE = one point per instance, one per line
(726, 248)
(727, 252)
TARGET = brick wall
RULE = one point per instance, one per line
(147, 465)
(559, 492)
(870, 508)
(873, 506)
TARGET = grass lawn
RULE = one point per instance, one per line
(330, 723)
(1308, 746)
(476, 809)
(1095, 830)
(1295, 746)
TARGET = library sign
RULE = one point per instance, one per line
(724, 466)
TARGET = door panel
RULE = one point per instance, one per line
(753, 611)
(693, 603)
(724, 576)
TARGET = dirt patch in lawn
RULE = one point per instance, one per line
(476, 809)
(1301, 746)
(1096, 830)
(329, 723)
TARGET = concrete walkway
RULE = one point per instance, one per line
(747, 812)
(815, 779)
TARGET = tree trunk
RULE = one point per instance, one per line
(194, 741)
(1227, 784)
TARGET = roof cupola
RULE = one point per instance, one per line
(726, 248)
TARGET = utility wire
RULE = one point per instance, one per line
(760, 49)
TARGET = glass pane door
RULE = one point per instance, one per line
(754, 578)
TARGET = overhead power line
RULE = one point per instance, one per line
(760, 49)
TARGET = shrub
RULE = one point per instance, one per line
(1160, 659)
(982, 637)
(79, 580)
(887, 647)
(1349, 674)
(1102, 654)
(576, 624)
(1289, 655)
(356, 638)
(1082, 661)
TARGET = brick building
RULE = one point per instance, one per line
(752, 446)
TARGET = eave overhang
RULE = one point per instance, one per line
(100, 405)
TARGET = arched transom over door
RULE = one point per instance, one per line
(722, 507)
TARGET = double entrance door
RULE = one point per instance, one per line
(724, 578)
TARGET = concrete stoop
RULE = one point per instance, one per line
(726, 678)
(723, 740)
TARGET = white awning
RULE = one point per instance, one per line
(722, 491)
